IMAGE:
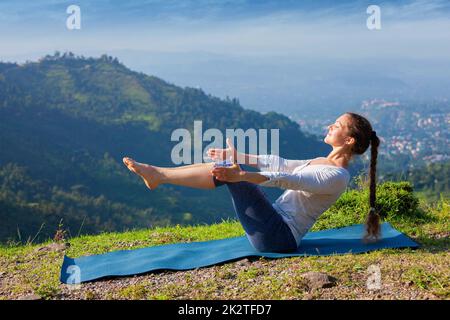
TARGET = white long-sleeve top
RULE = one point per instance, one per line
(311, 189)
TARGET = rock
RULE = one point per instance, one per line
(307, 296)
(53, 247)
(243, 262)
(30, 297)
(318, 280)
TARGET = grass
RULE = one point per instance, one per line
(406, 273)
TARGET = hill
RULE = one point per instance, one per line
(67, 121)
(430, 181)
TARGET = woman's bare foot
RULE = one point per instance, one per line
(150, 174)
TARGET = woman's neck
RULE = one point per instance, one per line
(339, 158)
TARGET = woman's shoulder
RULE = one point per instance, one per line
(340, 173)
(323, 162)
(330, 174)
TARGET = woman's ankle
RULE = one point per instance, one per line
(164, 174)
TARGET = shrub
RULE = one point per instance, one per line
(395, 201)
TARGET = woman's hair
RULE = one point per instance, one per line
(361, 130)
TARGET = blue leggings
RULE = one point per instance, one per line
(264, 227)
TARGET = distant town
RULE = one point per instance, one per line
(417, 133)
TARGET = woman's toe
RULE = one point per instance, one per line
(128, 161)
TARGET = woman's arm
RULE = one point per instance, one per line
(235, 174)
(274, 163)
(241, 158)
(248, 159)
(254, 177)
(271, 163)
(319, 180)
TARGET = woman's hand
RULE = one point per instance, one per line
(229, 174)
(221, 154)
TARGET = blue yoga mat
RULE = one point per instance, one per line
(191, 255)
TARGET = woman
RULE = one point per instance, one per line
(312, 185)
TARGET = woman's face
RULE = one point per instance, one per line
(337, 134)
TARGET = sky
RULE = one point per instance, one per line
(224, 45)
(302, 28)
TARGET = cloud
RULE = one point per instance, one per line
(249, 27)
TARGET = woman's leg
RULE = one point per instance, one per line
(264, 227)
(195, 176)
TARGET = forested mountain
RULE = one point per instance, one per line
(431, 180)
(66, 123)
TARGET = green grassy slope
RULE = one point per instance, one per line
(405, 273)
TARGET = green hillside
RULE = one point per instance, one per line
(67, 122)
(430, 181)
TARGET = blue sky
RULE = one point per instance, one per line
(281, 55)
(420, 28)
